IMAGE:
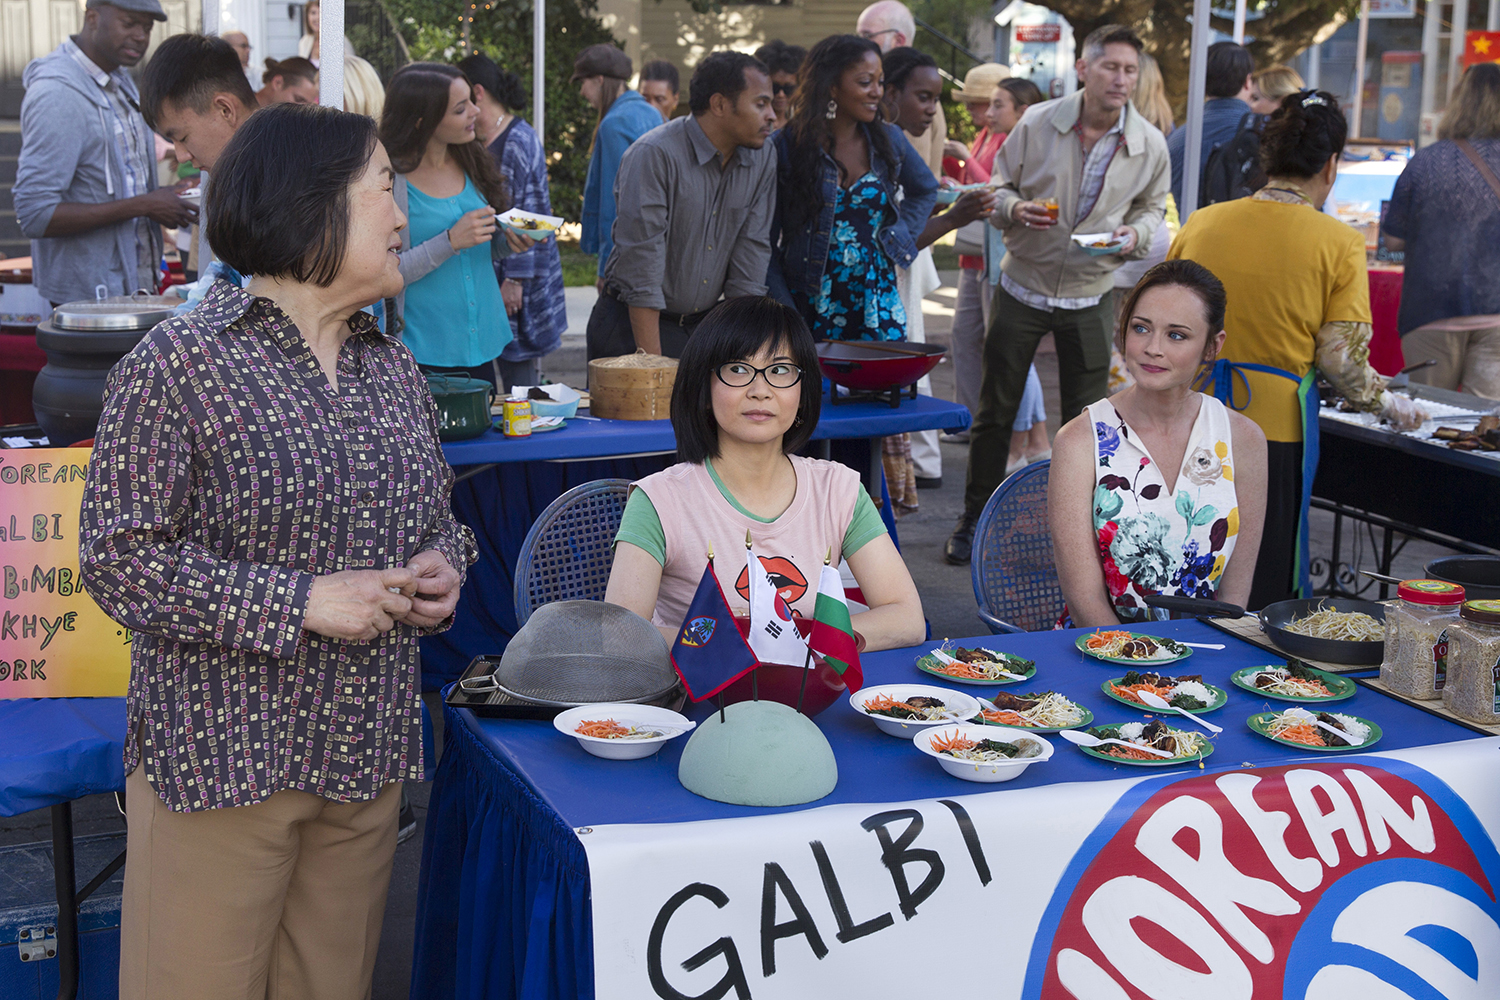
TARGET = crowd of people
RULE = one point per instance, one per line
(268, 505)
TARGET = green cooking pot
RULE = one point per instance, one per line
(463, 405)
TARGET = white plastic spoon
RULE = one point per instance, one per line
(943, 657)
(1085, 740)
(1203, 645)
(1158, 702)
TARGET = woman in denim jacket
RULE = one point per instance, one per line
(839, 232)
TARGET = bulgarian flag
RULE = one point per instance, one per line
(832, 634)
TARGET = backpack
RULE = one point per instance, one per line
(1233, 169)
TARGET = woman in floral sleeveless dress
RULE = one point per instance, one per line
(1158, 489)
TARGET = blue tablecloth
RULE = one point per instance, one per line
(502, 502)
(603, 438)
(504, 874)
(55, 750)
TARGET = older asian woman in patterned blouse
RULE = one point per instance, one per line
(267, 509)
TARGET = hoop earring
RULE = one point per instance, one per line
(833, 110)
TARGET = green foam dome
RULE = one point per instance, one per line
(763, 754)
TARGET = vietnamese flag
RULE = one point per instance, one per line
(832, 633)
(1481, 47)
(710, 654)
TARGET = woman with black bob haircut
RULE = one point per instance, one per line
(267, 509)
(1299, 306)
(747, 397)
(839, 234)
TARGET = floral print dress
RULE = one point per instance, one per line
(1152, 541)
(859, 299)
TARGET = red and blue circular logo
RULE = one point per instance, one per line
(1319, 881)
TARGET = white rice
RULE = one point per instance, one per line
(1193, 690)
(1358, 731)
(1131, 730)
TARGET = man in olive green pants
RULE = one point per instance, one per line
(1087, 163)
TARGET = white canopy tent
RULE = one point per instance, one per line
(331, 56)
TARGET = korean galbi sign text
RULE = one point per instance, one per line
(55, 642)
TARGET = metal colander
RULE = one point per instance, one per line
(580, 653)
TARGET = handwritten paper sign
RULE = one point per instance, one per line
(55, 642)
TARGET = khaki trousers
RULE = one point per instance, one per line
(281, 900)
(1467, 358)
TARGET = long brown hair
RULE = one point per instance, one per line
(610, 89)
(1474, 111)
(807, 131)
(415, 101)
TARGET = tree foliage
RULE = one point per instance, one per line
(434, 32)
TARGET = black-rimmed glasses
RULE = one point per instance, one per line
(780, 375)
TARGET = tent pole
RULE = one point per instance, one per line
(1239, 22)
(211, 17)
(1458, 43)
(1356, 119)
(331, 54)
(539, 69)
(1192, 167)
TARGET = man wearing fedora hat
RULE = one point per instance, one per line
(85, 189)
(603, 74)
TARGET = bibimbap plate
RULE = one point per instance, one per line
(1220, 698)
(929, 664)
(980, 720)
(1259, 723)
(1112, 731)
(1341, 687)
(1181, 652)
(960, 706)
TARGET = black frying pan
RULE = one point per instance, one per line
(1275, 617)
(1199, 607)
(1478, 575)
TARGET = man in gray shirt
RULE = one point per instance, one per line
(694, 198)
(85, 188)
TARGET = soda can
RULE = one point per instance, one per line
(516, 417)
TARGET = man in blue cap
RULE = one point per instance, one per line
(85, 189)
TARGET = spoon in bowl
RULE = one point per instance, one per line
(1085, 740)
(1158, 702)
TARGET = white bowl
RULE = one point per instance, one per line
(1000, 770)
(1087, 240)
(564, 402)
(959, 704)
(670, 722)
(511, 219)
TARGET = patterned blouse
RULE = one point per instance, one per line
(226, 475)
(858, 299)
(1152, 541)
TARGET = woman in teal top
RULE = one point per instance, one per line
(452, 316)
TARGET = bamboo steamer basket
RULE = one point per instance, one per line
(633, 387)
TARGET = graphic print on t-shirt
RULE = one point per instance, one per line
(790, 582)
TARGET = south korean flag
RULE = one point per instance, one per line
(773, 634)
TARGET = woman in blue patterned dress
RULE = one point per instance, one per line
(838, 233)
(531, 284)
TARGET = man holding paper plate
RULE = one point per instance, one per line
(1083, 164)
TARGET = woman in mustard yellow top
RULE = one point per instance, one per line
(1299, 299)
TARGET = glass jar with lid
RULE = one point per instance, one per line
(1473, 689)
(1417, 638)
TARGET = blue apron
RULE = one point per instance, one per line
(1222, 376)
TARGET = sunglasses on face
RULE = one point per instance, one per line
(780, 89)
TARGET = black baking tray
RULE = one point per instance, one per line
(498, 705)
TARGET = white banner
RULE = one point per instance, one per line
(1370, 877)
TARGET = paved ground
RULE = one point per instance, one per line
(947, 596)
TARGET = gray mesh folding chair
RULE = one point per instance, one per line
(567, 554)
(1015, 577)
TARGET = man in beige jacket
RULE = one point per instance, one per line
(1107, 171)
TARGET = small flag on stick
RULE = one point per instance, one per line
(710, 654)
(773, 630)
(832, 633)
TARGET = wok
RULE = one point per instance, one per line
(874, 366)
(1274, 619)
(1478, 575)
(782, 682)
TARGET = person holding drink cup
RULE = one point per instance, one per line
(1084, 163)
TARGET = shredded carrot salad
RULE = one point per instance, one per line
(884, 703)
(1128, 691)
(1102, 640)
(1306, 734)
(604, 729)
(1005, 717)
(961, 669)
(1129, 753)
(948, 744)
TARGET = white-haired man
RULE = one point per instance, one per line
(890, 25)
